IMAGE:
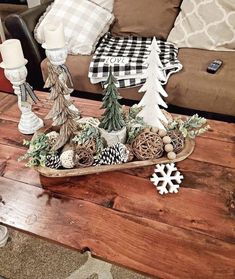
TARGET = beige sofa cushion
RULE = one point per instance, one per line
(146, 18)
(191, 88)
(205, 24)
(194, 88)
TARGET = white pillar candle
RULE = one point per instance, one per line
(54, 36)
(12, 54)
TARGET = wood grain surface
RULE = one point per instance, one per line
(120, 216)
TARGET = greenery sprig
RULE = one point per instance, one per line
(39, 148)
(134, 123)
(192, 127)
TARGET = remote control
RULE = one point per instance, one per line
(214, 66)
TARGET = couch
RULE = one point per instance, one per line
(191, 88)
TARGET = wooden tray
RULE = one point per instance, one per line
(45, 171)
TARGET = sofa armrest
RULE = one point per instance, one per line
(21, 27)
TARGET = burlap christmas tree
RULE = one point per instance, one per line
(112, 119)
(60, 113)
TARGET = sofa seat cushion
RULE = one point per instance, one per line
(191, 88)
(194, 88)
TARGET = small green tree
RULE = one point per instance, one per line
(112, 119)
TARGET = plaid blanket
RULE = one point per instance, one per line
(127, 58)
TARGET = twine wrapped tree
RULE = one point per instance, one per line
(112, 119)
(61, 113)
(151, 112)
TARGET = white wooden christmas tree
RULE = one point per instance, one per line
(152, 99)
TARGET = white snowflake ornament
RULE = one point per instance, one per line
(166, 178)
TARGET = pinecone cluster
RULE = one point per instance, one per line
(112, 155)
(53, 161)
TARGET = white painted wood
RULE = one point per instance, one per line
(114, 137)
(29, 122)
(167, 178)
(152, 99)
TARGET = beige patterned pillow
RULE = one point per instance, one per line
(206, 24)
(84, 23)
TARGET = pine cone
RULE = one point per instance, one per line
(52, 137)
(53, 161)
(112, 155)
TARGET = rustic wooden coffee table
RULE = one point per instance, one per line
(119, 216)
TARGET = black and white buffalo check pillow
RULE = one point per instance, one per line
(127, 58)
(84, 23)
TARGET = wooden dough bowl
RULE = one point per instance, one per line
(45, 171)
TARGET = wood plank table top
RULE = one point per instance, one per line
(120, 216)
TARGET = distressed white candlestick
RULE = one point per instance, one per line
(29, 122)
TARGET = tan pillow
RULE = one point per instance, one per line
(145, 18)
(205, 24)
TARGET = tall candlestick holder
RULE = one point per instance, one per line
(57, 58)
(29, 122)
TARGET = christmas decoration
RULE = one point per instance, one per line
(177, 141)
(39, 148)
(162, 133)
(168, 147)
(16, 72)
(165, 177)
(112, 155)
(89, 137)
(171, 155)
(130, 154)
(89, 120)
(142, 132)
(67, 159)
(151, 112)
(192, 127)
(57, 57)
(112, 118)
(147, 145)
(53, 161)
(112, 123)
(84, 158)
(61, 113)
(52, 137)
(134, 123)
(166, 140)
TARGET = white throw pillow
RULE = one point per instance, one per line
(205, 24)
(84, 23)
(106, 4)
